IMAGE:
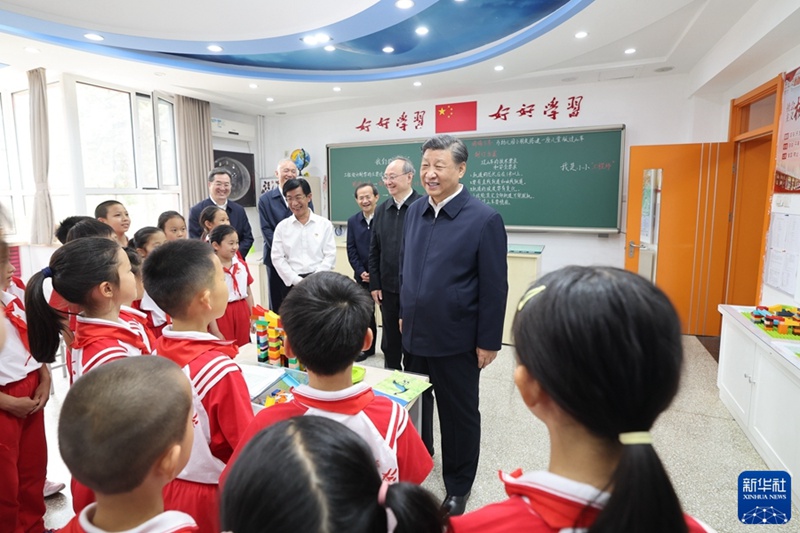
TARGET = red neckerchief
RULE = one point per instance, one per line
(88, 332)
(346, 406)
(557, 512)
(183, 351)
(15, 313)
(232, 271)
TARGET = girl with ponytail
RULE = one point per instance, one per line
(599, 357)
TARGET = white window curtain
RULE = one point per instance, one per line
(43, 224)
(195, 149)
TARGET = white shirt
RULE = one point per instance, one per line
(399, 203)
(15, 361)
(437, 208)
(302, 248)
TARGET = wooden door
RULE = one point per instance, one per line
(697, 181)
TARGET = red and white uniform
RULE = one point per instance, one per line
(138, 321)
(235, 323)
(222, 413)
(399, 452)
(99, 341)
(17, 288)
(543, 502)
(157, 319)
(96, 343)
(166, 522)
(23, 449)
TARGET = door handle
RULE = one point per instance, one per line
(632, 246)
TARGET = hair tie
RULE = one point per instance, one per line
(391, 519)
(47, 272)
(636, 437)
(530, 294)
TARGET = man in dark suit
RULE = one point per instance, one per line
(452, 298)
(384, 255)
(359, 233)
(219, 188)
(272, 208)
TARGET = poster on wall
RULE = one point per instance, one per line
(787, 166)
(783, 252)
(242, 169)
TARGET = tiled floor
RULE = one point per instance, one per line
(700, 444)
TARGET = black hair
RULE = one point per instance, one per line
(136, 261)
(324, 480)
(294, 183)
(448, 142)
(118, 419)
(208, 214)
(142, 237)
(101, 211)
(365, 184)
(76, 268)
(605, 345)
(217, 234)
(325, 317)
(176, 271)
(166, 216)
(91, 227)
(219, 170)
(67, 224)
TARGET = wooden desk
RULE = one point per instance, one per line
(248, 356)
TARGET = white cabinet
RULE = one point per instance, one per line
(759, 383)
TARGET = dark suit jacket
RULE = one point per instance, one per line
(237, 217)
(271, 210)
(358, 237)
(384, 250)
(454, 277)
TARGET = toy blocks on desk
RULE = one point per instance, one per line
(270, 339)
(781, 319)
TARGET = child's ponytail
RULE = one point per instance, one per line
(45, 323)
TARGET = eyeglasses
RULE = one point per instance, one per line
(298, 198)
(392, 177)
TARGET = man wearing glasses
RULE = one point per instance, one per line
(219, 188)
(384, 255)
(303, 243)
(272, 208)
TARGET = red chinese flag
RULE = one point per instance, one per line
(461, 116)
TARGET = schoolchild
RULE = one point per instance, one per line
(144, 241)
(24, 391)
(90, 228)
(125, 430)
(114, 214)
(326, 318)
(172, 224)
(235, 323)
(185, 278)
(93, 275)
(315, 475)
(599, 357)
(65, 225)
(211, 217)
(131, 312)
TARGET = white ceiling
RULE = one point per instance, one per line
(665, 33)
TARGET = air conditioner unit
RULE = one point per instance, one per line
(231, 129)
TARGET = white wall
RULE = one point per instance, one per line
(654, 111)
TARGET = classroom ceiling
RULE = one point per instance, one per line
(267, 64)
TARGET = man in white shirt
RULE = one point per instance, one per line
(303, 243)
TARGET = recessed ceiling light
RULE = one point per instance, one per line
(93, 36)
(498, 68)
(422, 30)
(337, 89)
(571, 78)
(254, 86)
(581, 35)
(404, 4)
(309, 39)
(322, 38)
(214, 48)
(159, 74)
(281, 113)
(664, 69)
(388, 49)
(630, 51)
(417, 84)
(270, 99)
(32, 50)
(330, 48)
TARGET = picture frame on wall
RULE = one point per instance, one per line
(242, 169)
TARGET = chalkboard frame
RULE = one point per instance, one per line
(498, 135)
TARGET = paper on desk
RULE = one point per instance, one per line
(260, 378)
(401, 387)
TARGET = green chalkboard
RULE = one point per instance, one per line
(566, 180)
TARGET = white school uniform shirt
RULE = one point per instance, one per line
(15, 360)
(236, 291)
(303, 248)
(157, 314)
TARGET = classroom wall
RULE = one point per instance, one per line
(655, 110)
